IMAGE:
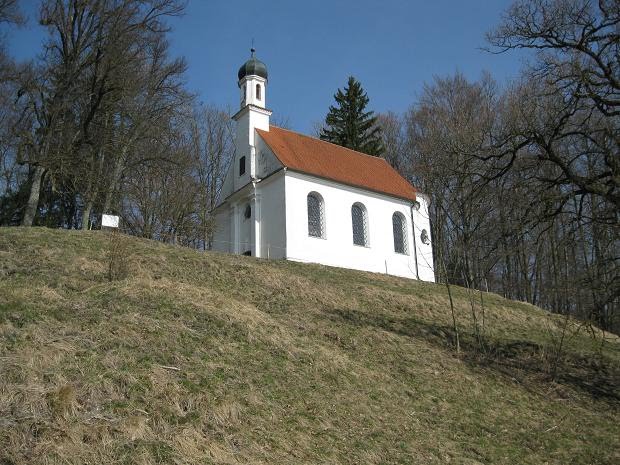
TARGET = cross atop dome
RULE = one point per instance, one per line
(252, 67)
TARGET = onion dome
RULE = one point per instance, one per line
(252, 67)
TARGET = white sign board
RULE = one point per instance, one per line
(110, 221)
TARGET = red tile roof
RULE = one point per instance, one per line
(326, 160)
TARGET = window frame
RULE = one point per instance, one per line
(321, 206)
(403, 232)
(365, 223)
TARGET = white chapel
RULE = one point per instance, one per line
(295, 197)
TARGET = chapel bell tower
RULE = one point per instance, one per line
(253, 82)
(246, 210)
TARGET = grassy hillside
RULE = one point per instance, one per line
(209, 358)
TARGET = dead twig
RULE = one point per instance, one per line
(169, 368)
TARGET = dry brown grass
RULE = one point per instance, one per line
(210, 358)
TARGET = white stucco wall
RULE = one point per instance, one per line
(246, 243)
(235, 233)
(266, 162)
(421, 220)
(271, 195)
(248, 119)
(242, 149)
(337, 248)
(247, 91)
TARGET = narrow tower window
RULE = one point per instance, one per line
(241, 166)
(258, 90)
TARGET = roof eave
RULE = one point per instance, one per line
(357, 186)
(262, 110)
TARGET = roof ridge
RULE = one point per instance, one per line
(330, 143)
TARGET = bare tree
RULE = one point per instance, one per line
(527, 232)
(172, 196)
(563, 119)
(150, 96)
(212, 148)
(10, 12)
(393, 139)
(91, 45)
(574, 85)
(446, 130)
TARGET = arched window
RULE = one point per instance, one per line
(258, 97)
(399, 227)
(359, 220)
(316, 215)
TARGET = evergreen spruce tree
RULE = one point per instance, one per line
(347, 123)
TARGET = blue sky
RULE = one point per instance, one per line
(392, 46)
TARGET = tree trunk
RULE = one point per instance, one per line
(86, 215)
(33, 198)
(119, 166)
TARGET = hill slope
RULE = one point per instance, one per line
(208, 358)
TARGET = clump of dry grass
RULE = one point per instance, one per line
(209, 358)
(117, 256)
(62, 402)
